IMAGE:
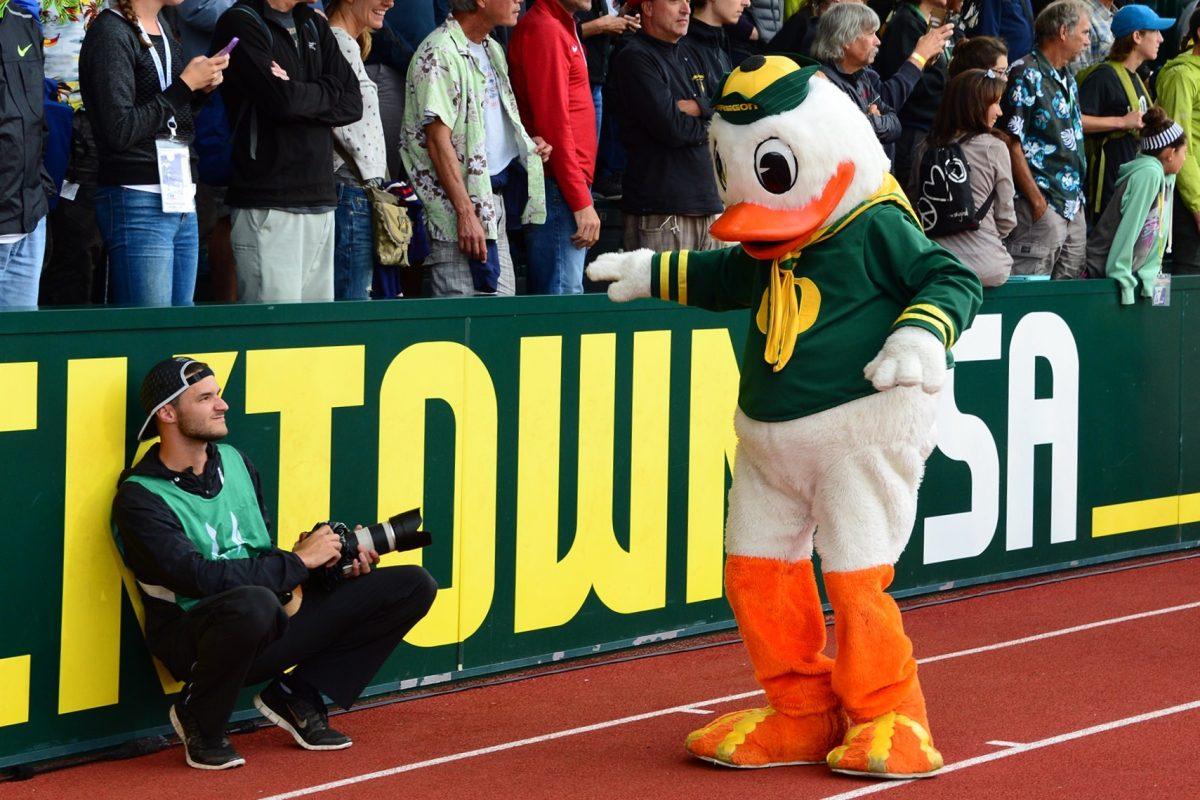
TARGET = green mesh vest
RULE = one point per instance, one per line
(226, 526)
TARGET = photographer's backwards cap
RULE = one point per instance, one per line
(162, 384)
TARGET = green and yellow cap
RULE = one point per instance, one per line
(764, 85)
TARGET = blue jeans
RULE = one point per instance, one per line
(555, 264)
(21, 268)
(152, 254)
(598, 103)
(353, 245)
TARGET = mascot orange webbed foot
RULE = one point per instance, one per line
(762, 737)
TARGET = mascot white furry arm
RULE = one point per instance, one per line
(830, 452)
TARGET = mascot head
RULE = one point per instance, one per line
(792, 153)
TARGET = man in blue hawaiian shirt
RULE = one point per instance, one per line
(1041, 109)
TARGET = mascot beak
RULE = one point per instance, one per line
(769, 233)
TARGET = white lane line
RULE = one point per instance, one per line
(1002, 743)
(875, 788)
(497, 748)
(1062, 632)
(695, 711)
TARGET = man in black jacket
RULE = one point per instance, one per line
(707, 39)
(670, 192)
(193, 528)
(287, 87)
(23, 180)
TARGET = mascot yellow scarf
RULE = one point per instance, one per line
(783, 303)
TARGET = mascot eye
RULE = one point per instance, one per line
(720, 167)
(775, 166)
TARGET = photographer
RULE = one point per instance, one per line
(193, 527)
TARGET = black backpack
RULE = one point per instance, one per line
(945, 203)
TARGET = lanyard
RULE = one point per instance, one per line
(164, 75)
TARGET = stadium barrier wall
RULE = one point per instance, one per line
(571, 457)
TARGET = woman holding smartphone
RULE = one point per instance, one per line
(142, 97)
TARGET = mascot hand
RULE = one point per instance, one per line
(911, 356)
(627, 274)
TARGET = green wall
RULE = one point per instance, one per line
(1063, 403)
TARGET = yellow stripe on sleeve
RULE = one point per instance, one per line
(927, 320)
(683, 261)
(933, 310)
(664, 276)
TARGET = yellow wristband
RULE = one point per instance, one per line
(920, 59)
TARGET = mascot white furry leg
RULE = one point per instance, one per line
(856, 311)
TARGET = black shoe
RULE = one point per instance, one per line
(202, 752)
(302, 715)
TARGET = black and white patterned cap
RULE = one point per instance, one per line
(162, 384)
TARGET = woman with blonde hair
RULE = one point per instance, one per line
(359, 152)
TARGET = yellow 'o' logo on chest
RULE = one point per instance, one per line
(810, 307)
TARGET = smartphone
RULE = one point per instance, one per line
(224, 51)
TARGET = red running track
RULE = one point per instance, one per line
(1085, 688)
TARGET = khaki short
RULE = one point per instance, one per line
(666, 232)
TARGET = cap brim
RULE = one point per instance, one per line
(148, 431)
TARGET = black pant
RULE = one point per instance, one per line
(338, 639)
(74, 259)
(1185, 241)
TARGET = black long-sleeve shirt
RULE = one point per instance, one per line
(669, 170)
(125, 101)
(896, 45)
(159, 553)
(283, 129)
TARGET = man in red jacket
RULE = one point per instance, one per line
(550, 78)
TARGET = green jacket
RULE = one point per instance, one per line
(876, 272)
(1179, 95)
(1128, 240)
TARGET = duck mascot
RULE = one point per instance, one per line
(854, 315)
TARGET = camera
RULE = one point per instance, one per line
(401, 532)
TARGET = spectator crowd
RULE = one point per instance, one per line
(165, 152)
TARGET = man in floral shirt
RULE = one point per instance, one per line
(1041, 109)
(462, 140)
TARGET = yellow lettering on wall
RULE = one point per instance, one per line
(14, 690)
(304, 385)
(712, 444)
(18, 387)
(549, 592)
(450, 372)
(89, 666)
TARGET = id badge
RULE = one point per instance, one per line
(1161, 295)
(175, 176)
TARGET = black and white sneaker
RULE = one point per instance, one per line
(302, 715)
(202, 752)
